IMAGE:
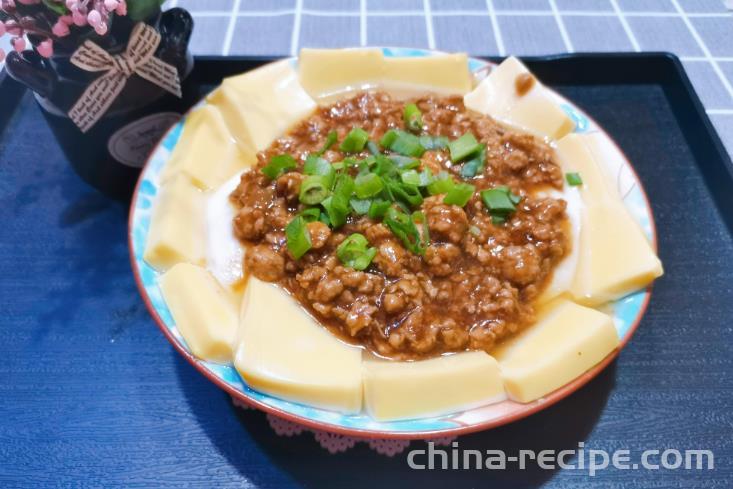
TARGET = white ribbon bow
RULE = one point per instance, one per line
(138, 59)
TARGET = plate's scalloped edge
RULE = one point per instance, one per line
(627, 311)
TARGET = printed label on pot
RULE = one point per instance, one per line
(132, 144)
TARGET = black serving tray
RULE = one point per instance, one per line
(74, 331)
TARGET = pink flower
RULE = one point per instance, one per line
(111, 5)
(101, 29)
(45, 48)
(79, 18)
(121, 8)
(2, 55)
(60, 29)
(94, 18)
(2, 29)
(18, 44)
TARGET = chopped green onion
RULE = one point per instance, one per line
(463, 147)
(355, 140)
(475, 165)
(298, 237)
(315, 165)
(373, 148)
(405, 227)
(330, 141)
(378, 208)
(404, 162)
(459, 195)
(278, 165)
(402, 142)
(516, 199)
(434, 142)
(355, 253)
(311, 214)
(421, 179)
(313, 190)
(573, 179)
(360, 206)
(413, 118)
(442, 184)
(385, 166)
(337, 205)
(368, 185)
(500, 202)
(409, 194)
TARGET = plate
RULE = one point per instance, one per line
(626, 312)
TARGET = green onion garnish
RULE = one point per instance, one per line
(500, 202)
(373, 148)
(404, 162)
(573, 179)
(360, 206)
(475, 165)
(434, 142)
(402, 142)
(318, 166)
(330, 141)
(313, 190)
(405, 227)
(378, 208)
(385, 166)
(337, 205)
(298, 237)
(368, 185)
(311, 214)
(409, 194)
(413, 118)
(459, 195)
(278, 165)
(421, 179)
(355, 253)
(463, 147)
(355, 140)
(442, 184)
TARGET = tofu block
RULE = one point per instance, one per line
(261, 105)
(284, 352)
(615, 256)
(176, 231)
(534, 111)
(447, 73)
(204, 312)
(325, 72)
(567, 340)
(206, 151)
(405, 390)
(224, 252)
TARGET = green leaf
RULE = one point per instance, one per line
(139, 10)
(57, 8)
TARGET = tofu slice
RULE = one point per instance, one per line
(224, 252)
(259, 106)
(177, 226)
(205, 313)
(447, 73)
(284, 352)
(206, 151)
(615, 256)
(326, 72)
(534, 111)
(567, 340)
(405, 390)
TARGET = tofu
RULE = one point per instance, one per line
(261, 105)
(206, 151)
(405, 390)
(177, 226)
(205, 313)
(567, 340)
(448, 73)
(224, 252)
(615, 256)
(284, 352)
(535, 111)
(325, 72)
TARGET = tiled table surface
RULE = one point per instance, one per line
(700, 32)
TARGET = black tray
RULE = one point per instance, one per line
(73, 323)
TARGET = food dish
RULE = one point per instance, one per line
(282, 374)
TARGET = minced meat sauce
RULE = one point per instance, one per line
(476, 281)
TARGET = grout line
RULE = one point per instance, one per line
(626, 26)
(295, 36)
(446, 13)
(704, 48)
(719, 111)
(429, 24)
(561, 26)
(230, 29)
(720, 59)
(495, 27)
(362, 23)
